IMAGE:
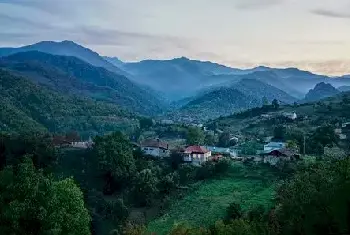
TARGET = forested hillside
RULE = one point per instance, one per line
(27, 107)
(245, 94)
(74, 76)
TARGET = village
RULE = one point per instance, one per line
(270, 150)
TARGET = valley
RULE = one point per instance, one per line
(173, 147)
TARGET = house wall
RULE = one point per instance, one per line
(156, 152)
(197, 159)
(274, 146)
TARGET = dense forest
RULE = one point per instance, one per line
(27, 107)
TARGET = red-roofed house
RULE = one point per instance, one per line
(197, 155)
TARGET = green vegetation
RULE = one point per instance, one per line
(31, 203)
(207, 202)
(26, 107)
(195, 136)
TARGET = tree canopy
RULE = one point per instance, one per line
(31, 203)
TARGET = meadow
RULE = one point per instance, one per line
(208, 200)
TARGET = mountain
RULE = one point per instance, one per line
(257, 89)
(223, 101)
(178, 78)
(344, 88)
(115, 61)
(71, 75)
(321, 91)
(244, 94)
(66, 48)
(28, 107)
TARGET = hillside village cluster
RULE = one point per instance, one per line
(272, 153)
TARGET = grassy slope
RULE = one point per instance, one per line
(207, 203)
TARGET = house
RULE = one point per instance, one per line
(291, 116)
(274, 146)
(155, 148)
(275, 156)
(196, 155)
(222, 151)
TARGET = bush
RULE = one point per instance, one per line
(169, 182)
(222, 166)
(115, 210)
(187, 173)
(144, 187)
(206, 171)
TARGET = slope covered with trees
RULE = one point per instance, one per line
(74, 76)
(27, 107)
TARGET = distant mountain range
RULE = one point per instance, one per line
(151, 87)
(180, 78)
(66, 48)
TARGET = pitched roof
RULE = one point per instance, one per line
(155, 144)
(196, 149)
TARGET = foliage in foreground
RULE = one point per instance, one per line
(31, 203)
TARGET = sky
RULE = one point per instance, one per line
(309, 34)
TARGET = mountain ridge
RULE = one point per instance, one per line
(72, 75)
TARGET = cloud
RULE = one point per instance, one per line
(19, 21)
(257, 4)
(329, 13)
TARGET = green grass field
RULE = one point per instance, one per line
(208, 201)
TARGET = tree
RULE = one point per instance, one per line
(315, 201)
(145, 187)
(176, 159)
(234, 211)
(292, 144)
(265, 101)
(115, 210)
(195, 136)
(38, 147)
(279, 132)
(31, 203)
(115, 160)
(224, 140)
(169, 182)
(275, 104)
(209, 140)
(145, 123)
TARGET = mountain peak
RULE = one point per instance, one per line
(322, 90)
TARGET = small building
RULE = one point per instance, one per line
(291, 116)
(222, 151)
(197, 155)
(155, 148)
(274, 146)
(275, 156)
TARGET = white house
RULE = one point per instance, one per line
(196, 155)
(292, 116)
(224, 151)
(155, 148)
(274, 146)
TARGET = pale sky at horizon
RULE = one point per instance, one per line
(311, 34)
